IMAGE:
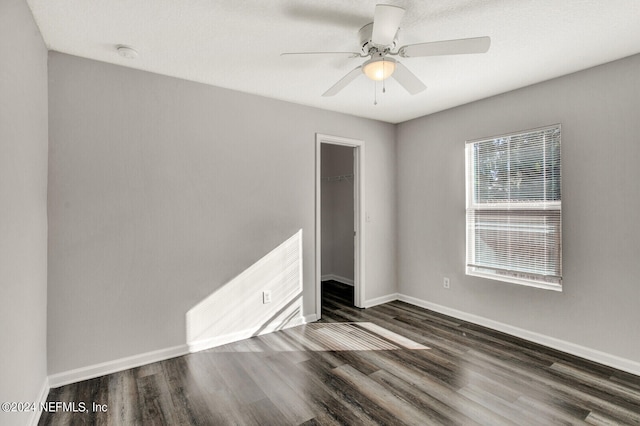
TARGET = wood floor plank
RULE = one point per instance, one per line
(440, 390)
(123, 399)
(156, 404)
(399, 408)
(187, 396)
(569, 391)
(392, 364)
(437, 411)
(281, 395)
(546, 412)
(361, 410)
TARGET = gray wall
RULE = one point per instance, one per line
(162, 190)
(23, 203)
(598, 110)
(337, 212)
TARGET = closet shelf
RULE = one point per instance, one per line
(339, 178)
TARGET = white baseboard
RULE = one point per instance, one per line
(213, 342)
(34, 418)
(369, 303)
(334, 277)
(614, 361)
(310, 318)
(97, 370)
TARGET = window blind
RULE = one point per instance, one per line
(514, 207)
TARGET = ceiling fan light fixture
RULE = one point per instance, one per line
(379, 68)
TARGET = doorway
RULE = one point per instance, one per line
(339, 215)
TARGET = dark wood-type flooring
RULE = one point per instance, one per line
(392, 364)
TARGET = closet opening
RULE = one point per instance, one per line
(339, 232)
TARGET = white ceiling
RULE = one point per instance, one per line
(236, 44)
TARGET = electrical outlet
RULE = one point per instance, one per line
(266, 297)
(446, 283)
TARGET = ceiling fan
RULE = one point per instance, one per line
(378, 41)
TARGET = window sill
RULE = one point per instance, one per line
(514, 280)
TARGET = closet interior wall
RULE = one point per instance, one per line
(337, 211)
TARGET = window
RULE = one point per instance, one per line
(514, 216)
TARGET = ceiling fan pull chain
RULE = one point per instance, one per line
(375, 93)
(384, 88)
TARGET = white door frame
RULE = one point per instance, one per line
(359, 216)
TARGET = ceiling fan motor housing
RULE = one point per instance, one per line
(367, 45)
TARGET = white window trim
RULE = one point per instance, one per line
(470, 204)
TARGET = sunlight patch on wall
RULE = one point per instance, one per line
(236, 310)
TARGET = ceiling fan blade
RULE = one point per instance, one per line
(343, 82)
(347, 54)
(407, 79)
(446, 47)
(386, 22)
